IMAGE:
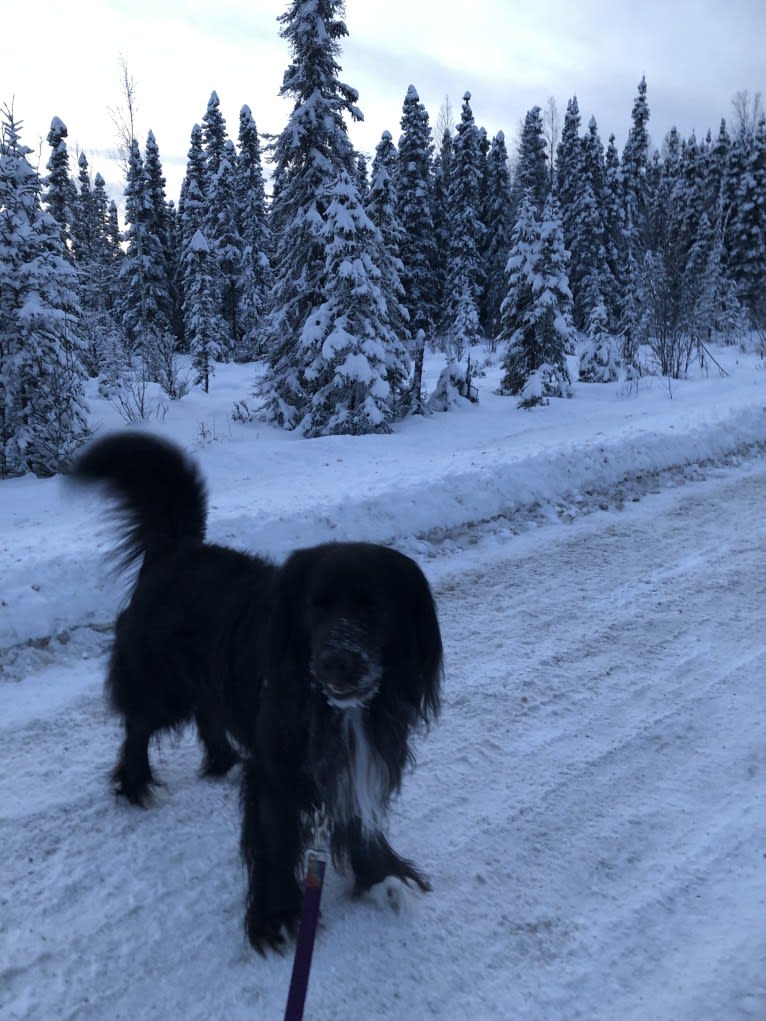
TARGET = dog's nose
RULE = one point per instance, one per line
(340, 667)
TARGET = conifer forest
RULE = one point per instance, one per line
(333, 271)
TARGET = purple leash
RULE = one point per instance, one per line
(316, 864)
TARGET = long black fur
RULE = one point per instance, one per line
(318, 671)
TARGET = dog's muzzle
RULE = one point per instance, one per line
(344, 668)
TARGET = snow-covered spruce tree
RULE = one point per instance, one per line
(690, 193)
(630, 330)
(362, 175)
(314, 298)
(222, 232)
(594, 277)
(536, 316)
(716, 169)
(85, 227)
(97, 269)
(498, 225)
(308, 156)
(147, 304)
(532, 174)
(635, 158)
(570, 179)
(221, 224)
(356, 364)
(635, 197)
(256, 280)
(594, 160)
(203, 327)
(162, 228)
(717, 312)
(684, 294)
(663, 321)
(380, 205)
(440, 212)
(702, 283)
(569, 167)
(599, 361)
(465, 272)
(614, 226)
(580, 192)
(746, 228)
(414, 196)
(60, 193)
(42, 409)
(113, 232)
(214, 134)
(380, 200)
(192, 208)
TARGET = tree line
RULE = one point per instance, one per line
(335, 282)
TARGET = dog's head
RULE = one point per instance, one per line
(358, 622)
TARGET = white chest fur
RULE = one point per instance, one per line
(362, 784)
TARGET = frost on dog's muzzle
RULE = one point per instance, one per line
(344, 668)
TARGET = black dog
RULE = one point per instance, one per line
(319, 670)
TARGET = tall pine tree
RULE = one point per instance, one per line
(203, 327)
(746, 228)
(255, 233)
(498, 223)
(614, 227)
(465, 274)
(532, 176)
(42, 408)
(635, 159)
(192, 211)
(323, 372)
(440, 217)
(414, 195)
(222, 232)
(147, 300)
(97, 270)
(60, 194)
(380, 205)
(359, 366)
(536, 316)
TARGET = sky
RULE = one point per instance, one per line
(65, 61)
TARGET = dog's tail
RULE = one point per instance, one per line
(160, 496)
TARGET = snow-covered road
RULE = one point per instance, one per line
(590, 807)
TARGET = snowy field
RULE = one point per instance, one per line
(589, 807)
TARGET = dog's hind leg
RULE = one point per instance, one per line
(132, 775)
(372, 858)
(219, 754)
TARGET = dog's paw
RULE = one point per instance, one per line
(220, 763)
(391, 894)
(271, 932)
(410, 874)
(140, 796)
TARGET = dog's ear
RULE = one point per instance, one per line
(430, 651)
(415, 643)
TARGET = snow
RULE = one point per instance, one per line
(589, 807)
(199, 243)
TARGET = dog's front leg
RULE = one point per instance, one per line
(373, 859)
(271, 848)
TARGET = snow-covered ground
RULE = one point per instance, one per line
(590, 806)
